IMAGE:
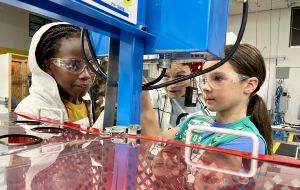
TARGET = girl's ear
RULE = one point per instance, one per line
(250, 85)
(46, 66)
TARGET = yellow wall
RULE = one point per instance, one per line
(4, 50)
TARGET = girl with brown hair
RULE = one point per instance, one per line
(230, 91)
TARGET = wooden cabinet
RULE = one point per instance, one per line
(14, 75)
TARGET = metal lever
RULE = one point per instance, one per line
(132, 129)
(116, 129)
(61, 118)
(254, 154)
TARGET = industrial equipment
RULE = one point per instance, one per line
(281, 102)
(172, 29)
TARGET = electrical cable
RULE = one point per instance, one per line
(227, 57)
(93, 54)
(180, 116)
(203, 107)
(101, 72)
(93, 103)
(86, 59)
(162, 74)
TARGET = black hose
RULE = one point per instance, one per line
(93, 55)
(93, 101)
(227, 57)
(86, 59)
(180, 116)
(162, 74)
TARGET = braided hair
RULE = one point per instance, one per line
(49, 43)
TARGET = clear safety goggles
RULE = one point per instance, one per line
(220, 80)
(73, 65)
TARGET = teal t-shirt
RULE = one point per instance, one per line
(222, 140)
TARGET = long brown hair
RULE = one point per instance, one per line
(247, 60)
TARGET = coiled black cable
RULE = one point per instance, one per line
(93, 55)
(162, 74)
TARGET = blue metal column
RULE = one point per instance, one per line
(129, 105)
(130, 79)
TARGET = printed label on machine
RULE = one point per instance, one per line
(124, 9)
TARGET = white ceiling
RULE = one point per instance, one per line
(236, 6)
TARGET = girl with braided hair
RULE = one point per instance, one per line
(60, 77)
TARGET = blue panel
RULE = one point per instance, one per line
(100, 44)
(218, 27)
(181, 26)
(141, 17)
(130, 79)
(78, 13)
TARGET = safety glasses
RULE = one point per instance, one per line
(220, 80)
(73, 65)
